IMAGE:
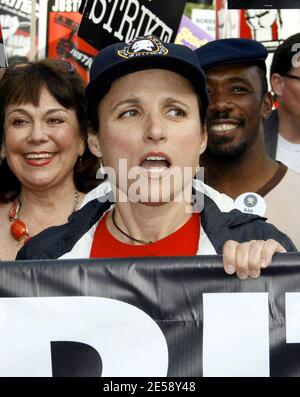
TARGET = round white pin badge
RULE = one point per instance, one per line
(251, 203)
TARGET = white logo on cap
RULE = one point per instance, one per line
(141, 45)
(148, 45)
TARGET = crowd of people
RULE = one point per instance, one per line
(111, 170)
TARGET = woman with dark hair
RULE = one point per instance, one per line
(45, 166)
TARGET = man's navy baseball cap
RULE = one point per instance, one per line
(144, 53)
(232, 51)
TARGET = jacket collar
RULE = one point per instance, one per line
(216, 224)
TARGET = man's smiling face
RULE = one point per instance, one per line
(235, 111)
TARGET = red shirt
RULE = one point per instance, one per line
(183, 242)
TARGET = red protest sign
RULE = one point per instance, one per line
(62, 41)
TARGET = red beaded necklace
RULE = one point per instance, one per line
(18, 228)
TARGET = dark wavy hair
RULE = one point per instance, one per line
(23, 84)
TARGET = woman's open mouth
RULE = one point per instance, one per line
(155, 165)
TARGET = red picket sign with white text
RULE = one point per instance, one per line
(62, 41)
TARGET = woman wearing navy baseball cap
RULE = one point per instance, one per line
(147, 102)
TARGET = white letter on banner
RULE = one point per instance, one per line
(152, 29)
(92, 16)
(129, 20)
(236, 334)
(292, 315)
(55, 7)
(107, 26)
(166, 34)
(128, 341)
(145, 11)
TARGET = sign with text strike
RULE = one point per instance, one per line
(107, 22)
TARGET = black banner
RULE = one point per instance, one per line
(263, 4)
(81, 7)
(151, 317)
(104, 23)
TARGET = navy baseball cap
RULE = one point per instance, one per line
(231, 51)
(143, 53)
